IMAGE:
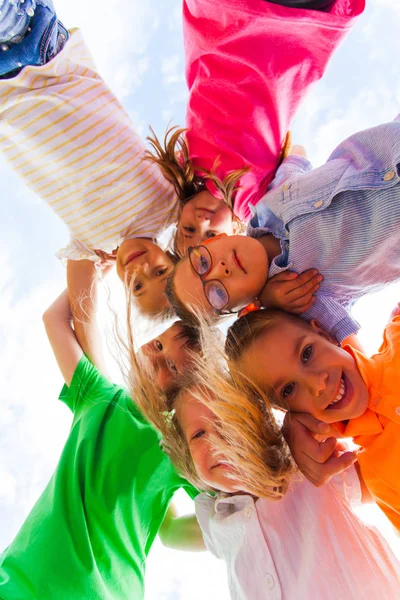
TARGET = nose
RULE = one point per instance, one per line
(317, 382)
(221, 270)
(143, 269)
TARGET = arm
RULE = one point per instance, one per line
(181, 533)
(82, 278)
(58, 324)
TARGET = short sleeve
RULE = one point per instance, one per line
(347, 485)
(203, 505)
(78, 251)
(88, 386)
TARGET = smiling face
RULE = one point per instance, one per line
(300, 366)
(197, 423)
(169, 355)
(239, 262)
(142, 261)
(203, 217)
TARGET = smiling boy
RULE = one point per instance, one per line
(303, 369)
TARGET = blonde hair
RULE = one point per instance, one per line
(173, 159)
(247, 434)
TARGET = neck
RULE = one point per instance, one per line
(272, 246)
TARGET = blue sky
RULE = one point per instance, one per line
(138, 48)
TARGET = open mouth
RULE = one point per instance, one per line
(238, 263)
(343, 395)
(134, 255)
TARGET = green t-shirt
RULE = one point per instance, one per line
(88, 535)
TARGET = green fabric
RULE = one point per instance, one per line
(89, 533)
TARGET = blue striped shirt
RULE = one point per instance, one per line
(342, 218)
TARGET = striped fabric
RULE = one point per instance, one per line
(73, 144)
(343, 219)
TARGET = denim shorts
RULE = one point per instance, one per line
(44, 38)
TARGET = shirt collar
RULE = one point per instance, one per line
(368, 423)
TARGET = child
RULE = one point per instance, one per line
(73, 143)
(301, 368)
(96, 167)
(90, 531)
(248, 65)
(342, 218)
(308, 545)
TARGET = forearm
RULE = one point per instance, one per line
(58, 324)
(82, 280)
(181, 533)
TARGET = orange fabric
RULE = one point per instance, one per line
(377, 431)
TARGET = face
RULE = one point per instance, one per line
(202, 218)
(169, 355)
(239, 262)
(303, 368)
(149, 266)
(196, 422)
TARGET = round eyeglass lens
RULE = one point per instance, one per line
(216, 294)
(201, 260)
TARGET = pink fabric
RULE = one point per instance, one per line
(249, 63)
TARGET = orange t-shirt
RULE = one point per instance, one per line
(377, 431)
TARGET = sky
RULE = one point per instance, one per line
(137, 46)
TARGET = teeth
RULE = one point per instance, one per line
(340, 394)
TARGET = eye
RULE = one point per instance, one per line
(217, 295)
(159, 271)
(158, 345)
(190, 229)
(307, 353)
(203, 263)
(287, 390)
(210, 234)
(198, 435)
(137, 286)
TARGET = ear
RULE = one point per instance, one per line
(320, 331)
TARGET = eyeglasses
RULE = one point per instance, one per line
(215, 292)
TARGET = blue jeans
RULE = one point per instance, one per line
(30, 34)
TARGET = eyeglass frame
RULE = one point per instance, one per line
(219, 311)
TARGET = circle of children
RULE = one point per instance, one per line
(273, 501)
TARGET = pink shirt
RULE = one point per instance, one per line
(249, 63)
(308, 546)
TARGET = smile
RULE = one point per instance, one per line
(342, 397)
(238, 263)
(134, 255)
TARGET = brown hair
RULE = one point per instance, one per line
(246, 330)
(173, 158)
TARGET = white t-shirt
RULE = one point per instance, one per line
(308, 546)
(73, 144)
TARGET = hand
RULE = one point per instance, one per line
(107, 260)
(290, 291)
(318, 461)
(298, 151)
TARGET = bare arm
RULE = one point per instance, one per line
(181, 533)
(58, 323)
(82, 279)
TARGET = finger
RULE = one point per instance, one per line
(303, 422)
(285, 276)
(297, 308)
(300, 290)
(305, 276)
(319, 474)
